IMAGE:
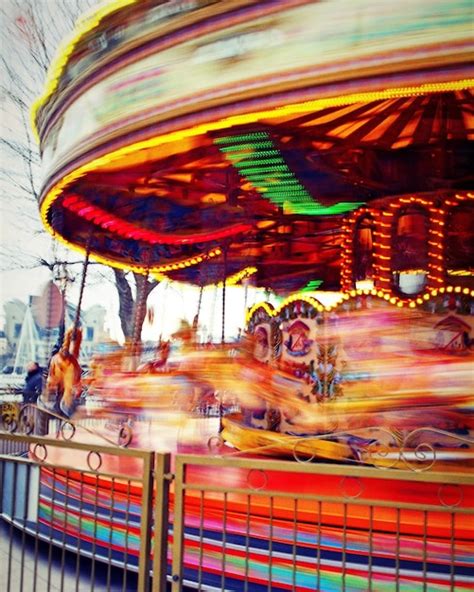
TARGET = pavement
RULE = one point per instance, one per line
(53, 570)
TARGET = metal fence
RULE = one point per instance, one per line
(81, 516)
(264, 525)
(74, 514)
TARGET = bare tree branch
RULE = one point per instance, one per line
(32, 31)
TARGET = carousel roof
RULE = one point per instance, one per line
(271, 194)
(213, 195)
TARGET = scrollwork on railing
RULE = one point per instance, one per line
(381, 447)
(25, 418)
(351, 487)
(215, 443)
(299, 455)
(9, 423)
(418, 450)
(423, 447)
(67, 430)
(125, 435)
(17, 419)
(39, 452)
(257, 479)
(94, 460)
(374, 446)
(384, 448)
(450, 495)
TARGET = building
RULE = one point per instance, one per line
(3, 348)
(14, 315)
(26, 338)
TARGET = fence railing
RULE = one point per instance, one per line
(81, 516)
(255, 524)
(88, 509)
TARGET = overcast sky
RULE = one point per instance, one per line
(23, 241)
(22, 238)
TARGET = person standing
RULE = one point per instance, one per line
(33, 383)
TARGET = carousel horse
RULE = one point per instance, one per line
(64, 374)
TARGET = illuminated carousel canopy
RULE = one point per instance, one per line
(200, 140)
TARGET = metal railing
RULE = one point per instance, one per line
(84, 513)
(83, 516)
(255, 524)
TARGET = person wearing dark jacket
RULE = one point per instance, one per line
(33, 383)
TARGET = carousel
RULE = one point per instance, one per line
(305, 148)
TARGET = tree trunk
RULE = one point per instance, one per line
(126, 303)
(132, 312)
(144, 287)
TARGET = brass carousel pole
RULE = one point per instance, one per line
(196, 317)
(81, 290)
(224, 282)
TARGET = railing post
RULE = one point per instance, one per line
(146, 524)
(178, 526)
(162, 512)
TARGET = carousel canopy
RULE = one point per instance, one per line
(250, 172)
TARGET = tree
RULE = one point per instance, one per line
(132, 311)
(31, 32)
